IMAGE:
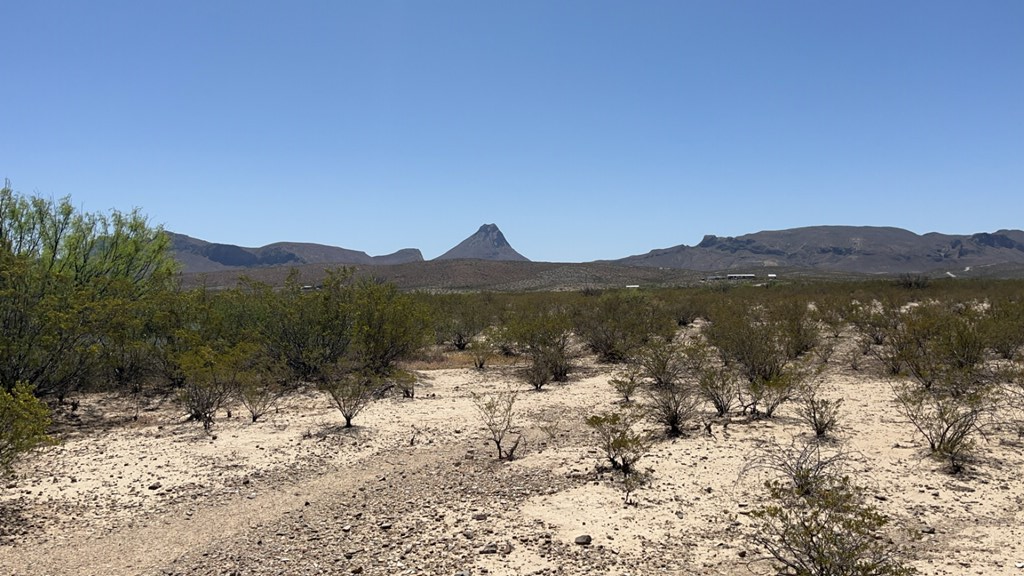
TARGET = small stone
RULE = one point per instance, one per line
(583, 540)
(490, 548)
(357, 570)
(480, 516)
(928, 530)
(155, 486)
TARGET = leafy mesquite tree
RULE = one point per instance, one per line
(62, 276)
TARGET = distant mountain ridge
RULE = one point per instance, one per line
(488, 243)
(858, 249)
(197, 255)
(838, 249)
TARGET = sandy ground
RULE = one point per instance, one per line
(415, 488)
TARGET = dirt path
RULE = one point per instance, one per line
(164, 538)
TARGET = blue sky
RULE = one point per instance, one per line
(584, 130)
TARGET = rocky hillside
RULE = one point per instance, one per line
(856, 249)
(488, 243)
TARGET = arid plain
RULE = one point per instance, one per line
(415, 487)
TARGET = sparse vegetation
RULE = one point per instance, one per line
(953, 353)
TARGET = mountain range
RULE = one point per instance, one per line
(825, 249)
(856, 249)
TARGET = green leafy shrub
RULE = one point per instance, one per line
(545, 337)
(661, 361)
(387, 326)
(627, 382)
(619, 323)
(796, 329)
(481, 351)
(211, 378)
(816, 521)
(260, 388)
(23, 423)
(1003, 326)
(833, 532)
(620, 440)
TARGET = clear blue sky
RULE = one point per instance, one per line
(584, 130)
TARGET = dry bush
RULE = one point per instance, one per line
(673, 406)
(719, 386)
(498, 412)
(821, 414)
(348, 390)
(948, 423)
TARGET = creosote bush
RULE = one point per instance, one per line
(481, 351)
(662, 362)
(627, 382)
(718, 385)
(620, 440)
(619, 323)
(210, 379)
(673, 406)
(544, 336)
(623, 445)
(949, 424)
(816, 521)
(821, 414)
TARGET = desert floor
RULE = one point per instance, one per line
(415, 488)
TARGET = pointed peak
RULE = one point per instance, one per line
(488, 243)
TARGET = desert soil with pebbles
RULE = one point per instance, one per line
(415, 488)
